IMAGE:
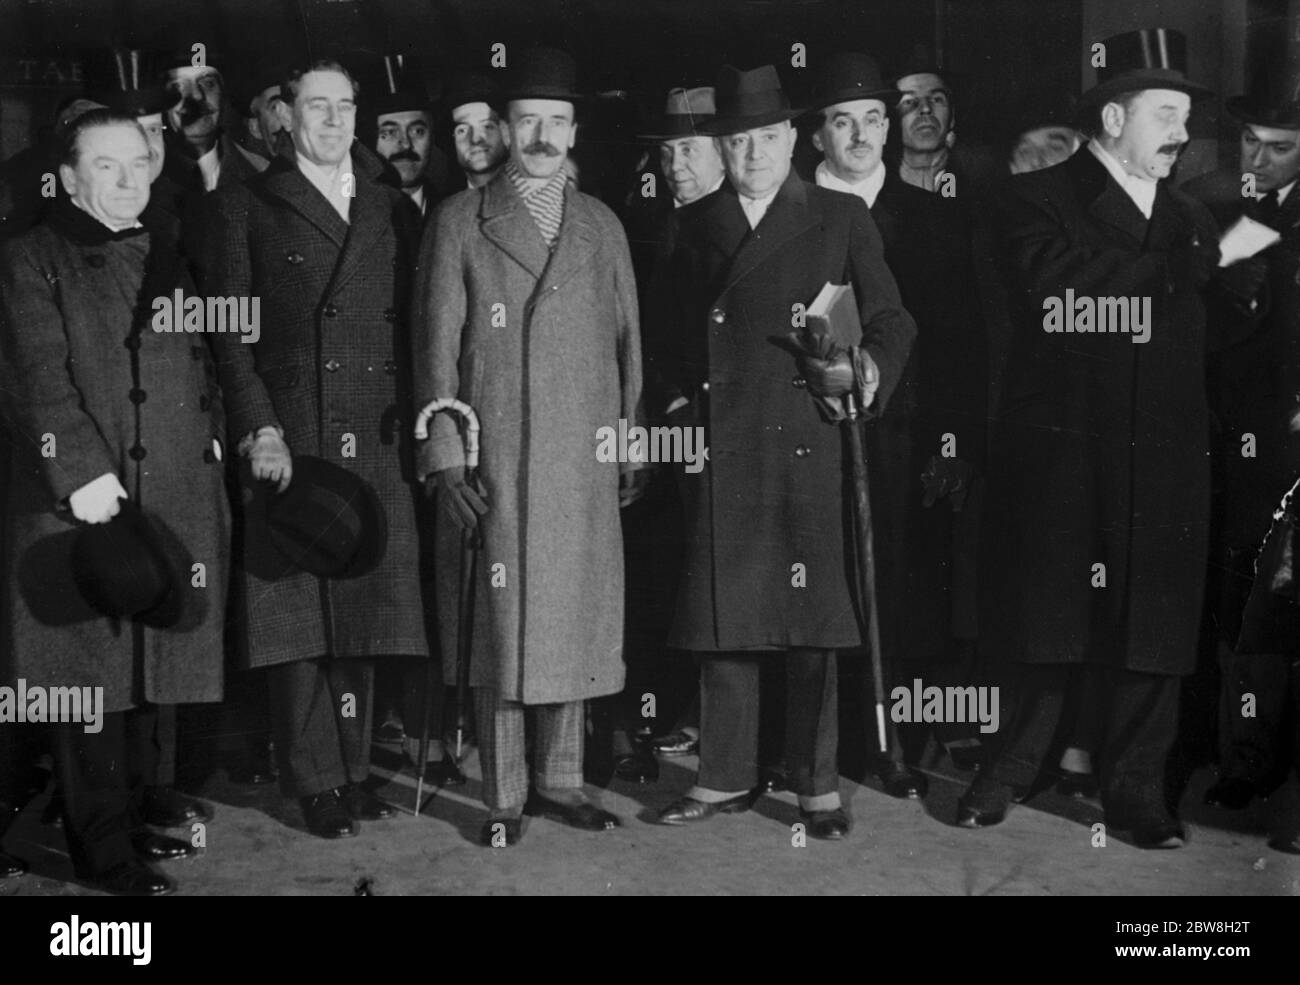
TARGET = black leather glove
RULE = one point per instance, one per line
(462, 502)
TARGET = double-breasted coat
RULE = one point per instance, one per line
(1100, 455)
(332, 369)
(68, 295)
(767, 518)
(545, 345)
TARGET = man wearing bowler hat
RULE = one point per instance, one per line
(527, 311)
(765, 576)
(1098, 500)
(327, 247)
(923, 450)
(475, 129)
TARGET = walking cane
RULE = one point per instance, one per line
(470, 541)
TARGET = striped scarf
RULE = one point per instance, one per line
(545, 202)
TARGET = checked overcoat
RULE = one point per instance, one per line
(332, 369)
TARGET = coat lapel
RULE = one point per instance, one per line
(287, 183)
(370, 216)
(506, 223)
(787, 217)
(1105, 200)
(1168, 223)
(578, 243)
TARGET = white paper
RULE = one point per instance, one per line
(1244, 239)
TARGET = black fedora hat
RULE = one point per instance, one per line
(122, 569)
(747, 100)
(329, 522)
(847, 76)
(543, 73)
(1273, 99)
(469, 87)
(1150, 58)
(684, 113)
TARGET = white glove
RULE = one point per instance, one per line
(98, 501)
(269, 456)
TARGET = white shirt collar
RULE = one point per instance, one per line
(1283, 192)
(417, 196)
(867, 189)
(1141, 190)
(210, 167)
(678, 203)
(330, 185)
(756, 208)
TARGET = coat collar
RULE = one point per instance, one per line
(1108, 203)
(788, 216)
(506, 222)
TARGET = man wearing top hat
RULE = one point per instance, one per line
(922, 452)
(765, 576)
(116, 522)
(403, 134)
(1098, 500)
(326, 246)
(527, 311)
(1255, 390)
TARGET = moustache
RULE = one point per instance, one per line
(541, 147)
(405, 155)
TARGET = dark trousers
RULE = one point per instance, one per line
(1137, 719)
(318, 745)
(1260, 749)
(730, 713)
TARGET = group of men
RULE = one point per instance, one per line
(381, 289)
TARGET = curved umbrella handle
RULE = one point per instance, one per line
(466, 413)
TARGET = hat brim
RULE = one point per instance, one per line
(1104, 92)
(721, 126)
(1247, 110)
(889, 97)
(675, 128)
(545, 92)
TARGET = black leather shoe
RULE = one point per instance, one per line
(163, 807)
(685, 810)
(362, 805)
(638, 766)
(984, 805)
(676, 744)
(11, 866)
(153, 847)
(826, 825)
(1159, 834)
(490, 835)
(326, 816)
(586, 816)
(133, 878)
(1230, 793)
(903, 782)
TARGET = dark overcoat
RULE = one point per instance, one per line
(67, 377)
(766, 519)
(332, 369)
(545, 346)
(1101, 450)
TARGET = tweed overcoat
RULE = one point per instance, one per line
(1100, 455)
(66, 374)
(767, 519)
(332, 369)
(545, 346)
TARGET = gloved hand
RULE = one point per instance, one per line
(1244, 280)
(832, 370)
(99, 500)
(945, 477)
(632, 486)
(461, 501)
(832, 377)
(269, 456)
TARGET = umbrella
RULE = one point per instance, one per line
(470, 542)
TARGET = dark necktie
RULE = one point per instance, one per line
(1268, 208)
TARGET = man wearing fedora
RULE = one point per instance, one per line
(321, 407)
(475, 130)
(116, 521)
(765, 576)
(1254, 381)
(1098, 500)
(917, 491)
(527, 311)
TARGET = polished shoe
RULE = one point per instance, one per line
(676, 744)
(163, 807)
(1076, 785)
(11, 866)
(985, 804)
(903, 782)
(685, 810)
(326, 816)
(132, 878)
(511, 827)
(1164, 834)
(584, 815)
(638, 766)
(1230, 793)
(826, 825)
(152, 847)
(362, 805)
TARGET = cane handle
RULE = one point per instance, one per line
(465, 412)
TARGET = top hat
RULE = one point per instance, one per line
(1273, 99)
(122, 570)
(329, 522)
(1151, 58)
(543, 73)
(851, 75)
(126, 81)
(468, 87)
(403, 92)
(748, 100)
(684, 113)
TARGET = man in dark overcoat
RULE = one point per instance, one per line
(327, 249)
(102, 413)
(765, 574)
(1098, 476)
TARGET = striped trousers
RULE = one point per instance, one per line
(557, 747)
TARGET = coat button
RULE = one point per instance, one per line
(390, 314)
(294, 258)
(331, 310)
(204, 403)
(137, 395)
(209, 456)
(705, 386)
(718, 316)
(137, 453)
(799, 382)
(390, 367)
(803, 451)
(333, 366)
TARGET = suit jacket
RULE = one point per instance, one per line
(332, 369)
(1100, 455)
(765, 520)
